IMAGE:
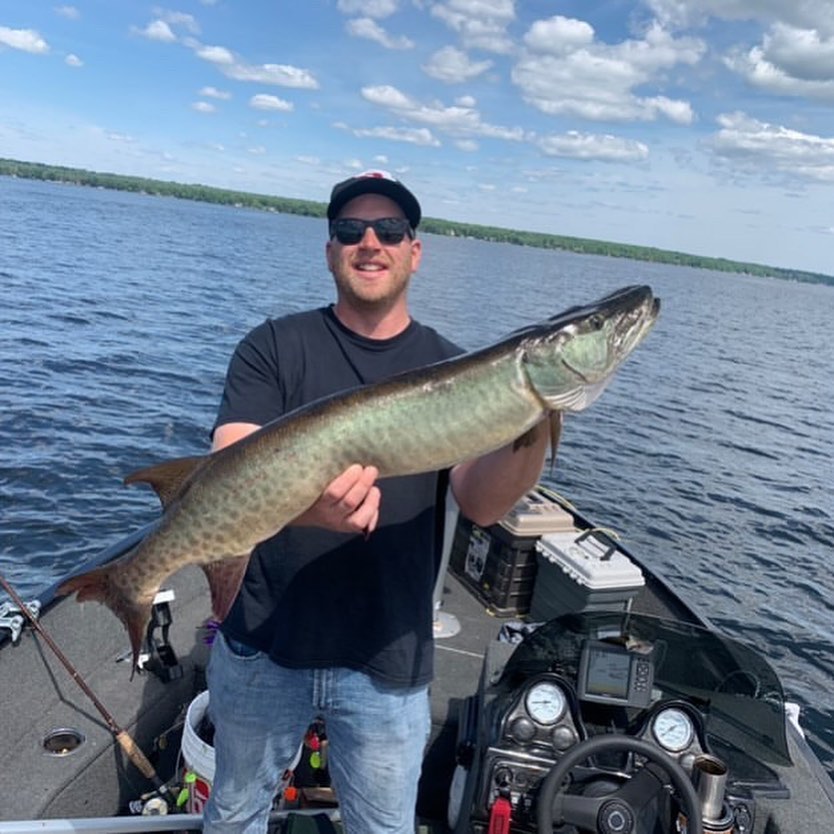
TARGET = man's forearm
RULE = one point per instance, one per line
(486, 488)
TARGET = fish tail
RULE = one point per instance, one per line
(99, 585)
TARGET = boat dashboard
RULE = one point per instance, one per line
(615, 722)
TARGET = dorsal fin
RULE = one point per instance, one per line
(168, 477)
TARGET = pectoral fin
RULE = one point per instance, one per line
(225, 577)
(556, 420)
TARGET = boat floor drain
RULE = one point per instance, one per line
(63, 742)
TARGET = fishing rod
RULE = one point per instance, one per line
(126, 742)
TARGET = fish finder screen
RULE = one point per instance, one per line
(608, 673)
(611, 674)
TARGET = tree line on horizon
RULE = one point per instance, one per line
(310, 208)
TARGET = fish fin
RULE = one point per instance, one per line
(98, 585)
(225, 576)
(556, 419)
(167, 478)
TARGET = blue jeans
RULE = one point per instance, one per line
(376, 732)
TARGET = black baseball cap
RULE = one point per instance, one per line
(374, 182)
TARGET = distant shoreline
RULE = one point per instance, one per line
(286, 205)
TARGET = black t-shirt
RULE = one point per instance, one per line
(310, 597)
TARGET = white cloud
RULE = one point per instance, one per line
(280, 75)
(758, 147)
(457, 120)
(453, 66)
(216, 55)
(69, 12)
(463, 122)
(203, 107)
(365, 27)
(213, 92)
(73, 61)
(181, 19)
(789, 62)
(121, 138)
(559, 35)
(414, 136)
(805, 14)
(481, 24)
(368, 8)
(801, 53)
(26, 40)
(565, 71)
(587, 146)
(387, 96)
(158, 30)
(262, 101)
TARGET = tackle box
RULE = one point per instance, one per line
(582, 572)
(498, 563)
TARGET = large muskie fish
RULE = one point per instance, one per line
(218, 507)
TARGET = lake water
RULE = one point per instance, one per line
(710, 453)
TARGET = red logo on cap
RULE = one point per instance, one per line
(380, 175)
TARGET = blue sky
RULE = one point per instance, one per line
(705, 126)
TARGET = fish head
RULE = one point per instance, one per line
(570, 358)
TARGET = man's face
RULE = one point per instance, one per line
(370, 274)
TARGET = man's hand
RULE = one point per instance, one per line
(349, 503)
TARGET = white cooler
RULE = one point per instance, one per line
(581, 572)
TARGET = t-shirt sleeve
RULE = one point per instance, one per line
(252, 392)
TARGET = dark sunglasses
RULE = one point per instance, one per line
(389, 230)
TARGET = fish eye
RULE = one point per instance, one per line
(596, 321)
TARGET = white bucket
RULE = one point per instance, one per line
(198, 757)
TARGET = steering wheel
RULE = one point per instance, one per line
(615, 813)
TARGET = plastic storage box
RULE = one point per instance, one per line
(584, 572)
(498, 563)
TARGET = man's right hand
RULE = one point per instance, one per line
(349, 503)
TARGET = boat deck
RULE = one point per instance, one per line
(39, 696)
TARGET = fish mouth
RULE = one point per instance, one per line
(587, 345)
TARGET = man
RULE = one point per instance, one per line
(334, 616)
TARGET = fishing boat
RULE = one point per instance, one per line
(575, 691)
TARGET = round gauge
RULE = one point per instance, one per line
(673, 729)
(545, 702)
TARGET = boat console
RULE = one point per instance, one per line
(616, 722)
